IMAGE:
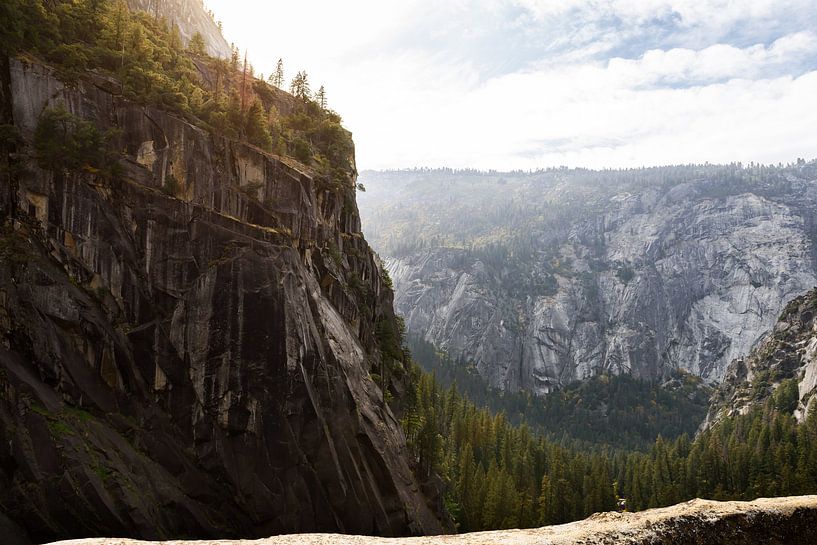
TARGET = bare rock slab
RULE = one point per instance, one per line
(772, 521)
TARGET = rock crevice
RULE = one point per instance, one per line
(191, 364)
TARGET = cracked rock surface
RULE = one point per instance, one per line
(191, 365)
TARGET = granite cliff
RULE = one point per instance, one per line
(542, 279)
(187, 348)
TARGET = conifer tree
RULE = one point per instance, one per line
(300, 86)
(197, 45)
(235, 57)
(277, 79)
(320, 97)
(257, 129)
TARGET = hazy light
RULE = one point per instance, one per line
(534, 83)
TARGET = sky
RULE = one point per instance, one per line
(527, 84)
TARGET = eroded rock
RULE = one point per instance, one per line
(191, 364)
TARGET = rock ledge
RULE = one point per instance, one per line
(771, 521)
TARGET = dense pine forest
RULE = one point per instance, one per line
(502, 476)
(620, 411)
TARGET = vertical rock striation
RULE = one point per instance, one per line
(192, 365)
(544, 279)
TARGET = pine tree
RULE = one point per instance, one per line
(320, 97)
(244, 76)
(257, 129)
(300, 86)
(277, 79)
(235, 57)
(197, 45)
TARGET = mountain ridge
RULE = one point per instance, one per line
(782, 369)
(544, 278)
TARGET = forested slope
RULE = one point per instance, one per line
(540, 279)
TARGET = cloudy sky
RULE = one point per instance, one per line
(524, 84)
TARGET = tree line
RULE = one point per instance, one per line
(500, 475)
(147, 57)
(621, 411)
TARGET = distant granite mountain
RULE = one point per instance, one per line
(544, 278)
(190, 16)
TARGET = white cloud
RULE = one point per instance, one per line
(595, 115)
(409, 78)
(690, 12)
(715, 63)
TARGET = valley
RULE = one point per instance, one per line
(215, 325)
(541, 279)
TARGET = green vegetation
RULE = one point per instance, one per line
(63, 142)
(316, 137)
(171, 186)
(14, 248)
(277, 79)
(148, 59)
(59, 428)
(197, 45)
(500, 476)
(519, 225)
(625, 274)
(104, 473)
(618, 411)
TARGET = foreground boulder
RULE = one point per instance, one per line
(789, 521)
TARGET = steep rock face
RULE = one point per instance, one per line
(783, 366)
(190, 16)
(193, 366)
(643, 280)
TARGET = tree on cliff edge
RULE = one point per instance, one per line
(197, 45)
(277, 79)
(300, 86)
(320, 97)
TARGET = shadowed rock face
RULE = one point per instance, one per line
(641, 277)
(189, 16)
(193, 366)
(777, 521)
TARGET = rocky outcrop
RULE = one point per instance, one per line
(187, 359)
(190, 17)
(778, 521)
(550, 278)
(784, 367)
